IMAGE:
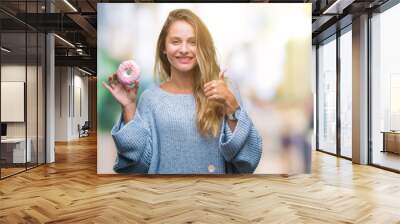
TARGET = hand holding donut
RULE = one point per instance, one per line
(124, 84)
(218, 90)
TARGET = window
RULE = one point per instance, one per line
(385, 89)
(327, 96)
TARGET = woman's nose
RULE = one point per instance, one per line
(184, 48)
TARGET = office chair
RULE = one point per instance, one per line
(84, 130)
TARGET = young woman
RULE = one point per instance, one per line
(193, 122)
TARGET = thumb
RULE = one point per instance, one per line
(222, 74)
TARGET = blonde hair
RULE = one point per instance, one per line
(209, 114)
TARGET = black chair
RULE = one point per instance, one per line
(84, 130)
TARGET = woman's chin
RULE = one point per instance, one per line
(185, 68)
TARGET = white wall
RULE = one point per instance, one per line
(70, 83)
(61, 103)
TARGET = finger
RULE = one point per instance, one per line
(210, 91)
(111, 80)
(136, 89)
(208, 84)
(216, 98)
(107, 87)
(213, 94)
(213, 84)
(112, 84)
(114, 79)
(136, 85)
(132, 88)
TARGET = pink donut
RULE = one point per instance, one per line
(128, 72)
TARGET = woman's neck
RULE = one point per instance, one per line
(182, 81)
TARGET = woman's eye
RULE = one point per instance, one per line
(175, 42)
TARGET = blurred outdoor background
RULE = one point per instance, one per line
(266, 49)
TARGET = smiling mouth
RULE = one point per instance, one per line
(184, 60)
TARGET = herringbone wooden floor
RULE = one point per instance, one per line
(70, 191)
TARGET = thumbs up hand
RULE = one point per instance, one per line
(218, 90)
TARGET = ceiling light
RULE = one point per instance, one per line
(70, 5)
(86, 72)
(5, 49)
(64, 40)
(338, 6)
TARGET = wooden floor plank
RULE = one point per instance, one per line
(70, 191)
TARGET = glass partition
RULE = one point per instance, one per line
(385, 88)
(327, 96)
(13, 94)
(22, 88)
(31, 98)
(346, 93)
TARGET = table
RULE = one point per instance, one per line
(15, 148)
(391, 141)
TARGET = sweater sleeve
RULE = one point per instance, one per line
(241, 148)
(133, 142)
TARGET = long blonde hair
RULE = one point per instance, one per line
(209, 114)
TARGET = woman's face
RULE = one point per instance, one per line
(180, 46)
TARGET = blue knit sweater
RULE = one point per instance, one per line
(162, 138)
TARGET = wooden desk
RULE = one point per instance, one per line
(391, 141)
